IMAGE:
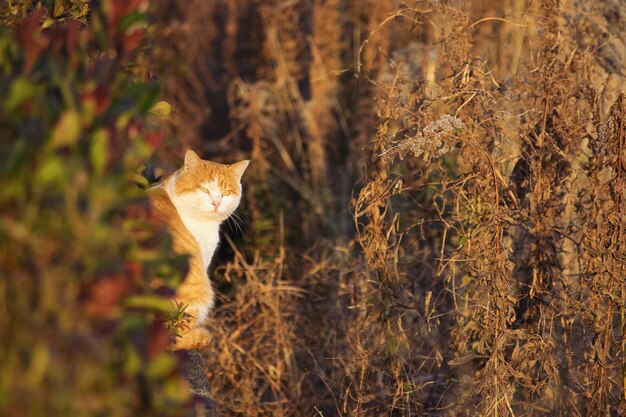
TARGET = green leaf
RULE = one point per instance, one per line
(145, 95)
(160, 366)
(142, 182)
(21, 90)
(17, 157)
(131, 20)
(98, 152)
(133, 363)
(67, 129)
(161, 109)
(39, 363)
(47, 23)
(175, 390)
(59, 8)
(150, 302)
(52, 171)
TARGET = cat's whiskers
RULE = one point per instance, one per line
(237, 215)
(235, 218)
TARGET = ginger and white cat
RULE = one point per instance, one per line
(193, 202)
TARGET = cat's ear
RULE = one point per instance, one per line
(238, 168)
(192, 160)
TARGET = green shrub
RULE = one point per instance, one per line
(81, 329)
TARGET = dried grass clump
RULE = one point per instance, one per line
(252, 355)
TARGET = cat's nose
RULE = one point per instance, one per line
(216, 200)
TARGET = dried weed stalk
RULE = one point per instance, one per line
(603, 263)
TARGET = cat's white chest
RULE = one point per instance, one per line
(207, 235)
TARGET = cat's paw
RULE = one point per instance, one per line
(197, 339)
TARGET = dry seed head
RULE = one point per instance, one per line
(434, 140)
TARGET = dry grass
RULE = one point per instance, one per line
(434, 209)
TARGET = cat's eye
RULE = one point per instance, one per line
(225, 193)
(204, 189)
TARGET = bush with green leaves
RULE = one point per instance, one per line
(82, 331)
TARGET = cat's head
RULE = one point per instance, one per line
(209, 189)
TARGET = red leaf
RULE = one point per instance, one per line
(138, 211)
(64, 38)
(155, 138)
(103, 98)
(132, 41)
(159, 340)
(134, 129)
(105, 294)
(134, 270)
(33, 40)
(117, 9)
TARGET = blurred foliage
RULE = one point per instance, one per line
(82, 331)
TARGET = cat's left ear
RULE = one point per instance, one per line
(238, 168)
(192, 160)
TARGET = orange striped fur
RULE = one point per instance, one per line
(193, 202)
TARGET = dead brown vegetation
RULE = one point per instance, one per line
(434, 211)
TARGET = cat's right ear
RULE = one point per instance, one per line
(238, 168)
(192, 160)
